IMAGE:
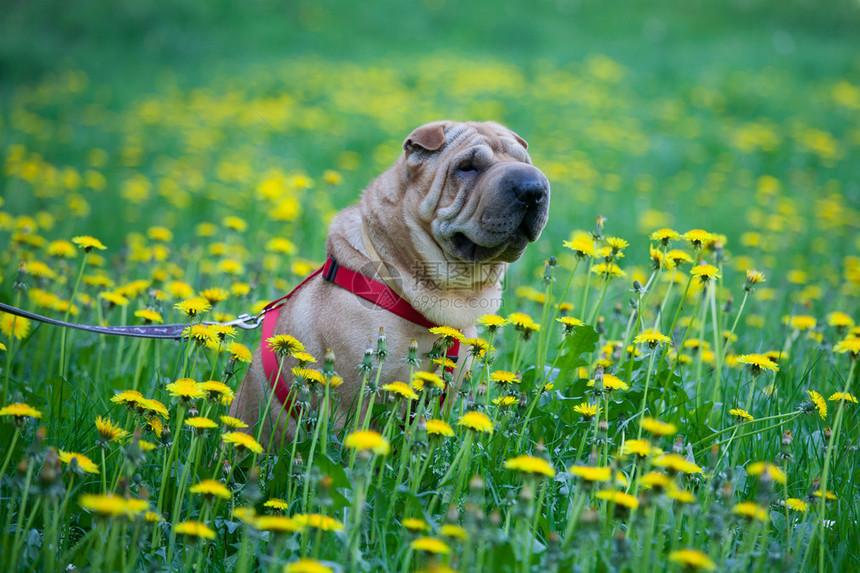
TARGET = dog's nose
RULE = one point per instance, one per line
(530, 190)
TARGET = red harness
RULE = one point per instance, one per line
(374, 291)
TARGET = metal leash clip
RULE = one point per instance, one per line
(246, 321)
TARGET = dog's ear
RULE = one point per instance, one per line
(520, 140)
(430, 137)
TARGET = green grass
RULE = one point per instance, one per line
(738, 118)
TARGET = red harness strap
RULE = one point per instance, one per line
(374, 291)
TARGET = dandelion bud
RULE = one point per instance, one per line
(618, 311)
(589, 518)
(727, 306)
(367, 363)
(193, 412)
(20, 284)
(638, 288)
(226, 468)
(597, 233)
(453, 513)
(828, 433)
(603, 426)
(50, 469)
(599, 327)
(328, 363)
(476, 485)
(495, 518)
(726, 491)
(381, 345)
(22, 467)
(412, 354)
(719, 256)
(523, 401)
(678, 446)
(481, 390)
(470, 400)
(526, 495)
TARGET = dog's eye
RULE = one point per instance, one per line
(467, 167)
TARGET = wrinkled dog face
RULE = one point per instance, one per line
(484, 199)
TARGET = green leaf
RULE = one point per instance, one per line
(583, 340)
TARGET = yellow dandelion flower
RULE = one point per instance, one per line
(741, 415)
(401, 389)
(593, 474)
(818, 402)
(425, 377)
(796, 504)
(242, 440)
(211, 488)
(19, 411)
(665, 236)
(840, 320)
(239, 352)
(109, 431)
(304, 358)
(693, 560)
(679, 257)
(476, 421)
(586, 410)
(842, 397)
(414, 524)
(520, 320)
(216, 391)
(658, 428)
(430, 545)
(152, 405)
(200, 423)
(764, 468)
(611, 382)
(309, 375)
(233, 423)
(705, 273)
(276, 524)
(200, 333)
(61, 249)
(655, 480)
(581, 246)
(801, 322)
(477, 346)
(88, 243)
(317, 521)
(194, 306)
(828, 495)
(105, 505)
(194, 529)
(14, 326)
(448, 333)
(307, 565)
(492, 322)
(439, 428)
(276, 503)
(453, 531)
(699, 238)
(751, 510)
(185, 388)
(608, 270)
(367, 440)
(848, 346)
(444, 362)
(283, 344)
(641, 448)
(214, 295)
(677, 463)
(149, 316)
(506, 401)
(619, 498)
(84, 464)
(758, 362)
(530, 465)
(652, 338)
(503, 377)
(569, 323)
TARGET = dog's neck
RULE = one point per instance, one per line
(450, 293)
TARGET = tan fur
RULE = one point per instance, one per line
(407, 215)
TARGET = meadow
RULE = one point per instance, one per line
(669, 385)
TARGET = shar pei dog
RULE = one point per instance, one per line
(437, 230)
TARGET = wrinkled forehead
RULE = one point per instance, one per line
(499, 139)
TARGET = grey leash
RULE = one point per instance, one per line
(162, 331)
